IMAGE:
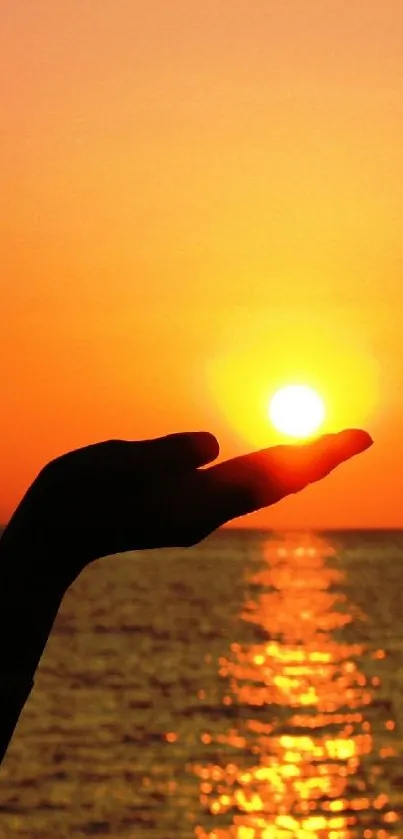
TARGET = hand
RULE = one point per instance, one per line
(118, 496)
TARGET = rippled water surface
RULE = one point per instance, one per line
(249, 688)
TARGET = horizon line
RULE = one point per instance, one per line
(304, 529)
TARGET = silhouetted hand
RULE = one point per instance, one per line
(118, 496)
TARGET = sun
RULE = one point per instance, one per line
(296, 410)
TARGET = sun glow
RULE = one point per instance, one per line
(297, 410)
(271, 352)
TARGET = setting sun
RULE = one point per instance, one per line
(296, 410)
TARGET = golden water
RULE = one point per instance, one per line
(250, 688)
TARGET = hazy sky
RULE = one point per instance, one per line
(200, 201)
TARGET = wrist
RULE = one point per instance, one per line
(29, 602)
(32, 557)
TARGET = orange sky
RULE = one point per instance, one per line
(200, 201)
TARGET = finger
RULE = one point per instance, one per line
(175, 452)
(182, 451)
(248, 483)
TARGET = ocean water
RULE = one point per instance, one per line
(248, 688)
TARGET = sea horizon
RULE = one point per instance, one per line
(295, 529)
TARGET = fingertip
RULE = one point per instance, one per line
(357, 434)
(334, 449)
(207, 446)
(353, 441)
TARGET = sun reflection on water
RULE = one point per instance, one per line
(299, 729)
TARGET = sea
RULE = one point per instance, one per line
(247, 688)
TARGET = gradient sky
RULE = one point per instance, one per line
(200, 201)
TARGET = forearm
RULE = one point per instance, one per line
(29, 603)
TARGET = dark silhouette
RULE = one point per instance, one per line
(118, 496)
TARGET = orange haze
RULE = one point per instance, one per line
(202, 201)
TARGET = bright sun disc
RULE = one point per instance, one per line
(296, 410)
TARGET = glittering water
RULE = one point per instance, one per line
(249, 688)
